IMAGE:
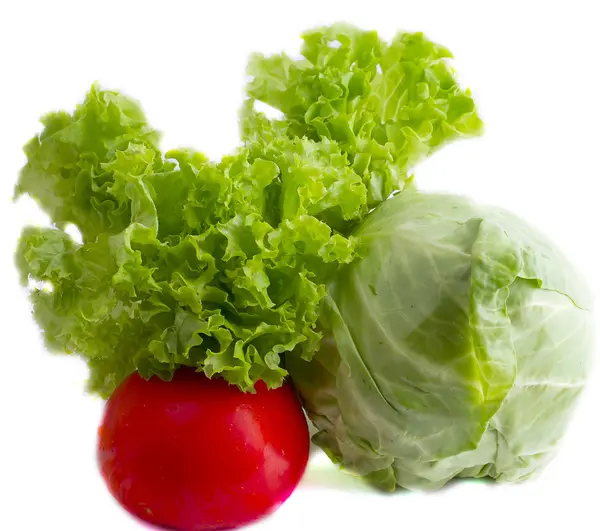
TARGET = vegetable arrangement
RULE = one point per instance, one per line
(428, 337)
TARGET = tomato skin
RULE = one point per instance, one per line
(196, 454)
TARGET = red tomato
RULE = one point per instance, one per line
(196, 454)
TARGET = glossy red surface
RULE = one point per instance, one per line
(195, 454)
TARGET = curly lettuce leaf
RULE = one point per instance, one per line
(387, 105)
(64, 171)
(218, 266)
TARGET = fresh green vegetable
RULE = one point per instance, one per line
(223, 266)
(184, 261)
(387, 105)
(456, 346)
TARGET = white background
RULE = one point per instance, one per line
(534, 70)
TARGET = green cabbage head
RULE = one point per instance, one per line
(456, 347)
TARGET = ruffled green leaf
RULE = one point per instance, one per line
(218, 266)
(387, 105)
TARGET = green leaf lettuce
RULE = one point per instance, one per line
(387, 105)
